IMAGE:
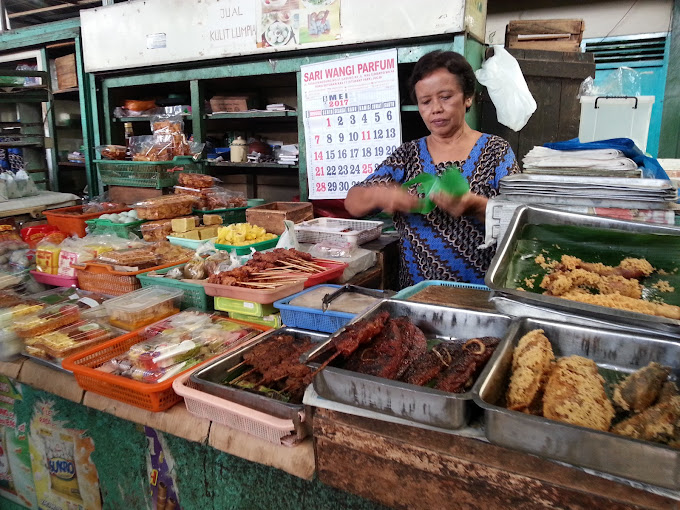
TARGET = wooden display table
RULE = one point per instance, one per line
(407, 467)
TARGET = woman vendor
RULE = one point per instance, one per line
(441, 245)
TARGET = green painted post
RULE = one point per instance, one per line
(86, 122)
(669, 141)
(197, 96)
(51, 124)
(40, 34)
(108, 118)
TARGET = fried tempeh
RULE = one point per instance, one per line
(531, 362)
(659, 423)
(575, 394)
(641, 389)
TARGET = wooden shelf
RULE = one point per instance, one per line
(144, 118)
(248, 115)
(20, 144)
(73, 91)
(72, 163)
(229, 164)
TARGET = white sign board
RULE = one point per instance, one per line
(142, 33)
(350, 110)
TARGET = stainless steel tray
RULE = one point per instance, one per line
(416, 404)
(209, 379)
(496, 276)
(644, 461)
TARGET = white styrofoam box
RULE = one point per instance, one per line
(615, 117)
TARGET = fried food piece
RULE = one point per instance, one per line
(531, 363)
(641, 389)
(624, 303)
(668, 390)
(659, 423)
(462, 375)
(559, 283)
(575, 394)
(430, 364)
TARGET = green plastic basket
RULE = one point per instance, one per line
(146, 174)
(194, 293)
(103, 227)
(245, 249)
(229, 216)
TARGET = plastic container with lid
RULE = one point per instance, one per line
(604, 117)
(143, 307)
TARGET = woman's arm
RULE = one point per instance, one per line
(467, 205)
(390, 198)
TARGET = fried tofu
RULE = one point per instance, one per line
(531, 362)
(659, 423)
(575, 394)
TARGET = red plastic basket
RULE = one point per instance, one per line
(334, 270)
(152, 397)
(71, 220)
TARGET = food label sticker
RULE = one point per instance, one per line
(156, 41)
(92, 303)
(247, 304)
(351, 116)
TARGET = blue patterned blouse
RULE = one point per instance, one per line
(438, 246)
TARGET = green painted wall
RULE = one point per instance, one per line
(207, 479)
(669, 141)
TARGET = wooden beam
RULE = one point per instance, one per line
(51, 8)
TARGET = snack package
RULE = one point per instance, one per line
(332, 249)
(10, 184)
(47, 256)
(197, 181)
(137, 258)
(72, 252)
(166, 206)
(195, 269)
(56, 345)
(25, 185)
(112, 152)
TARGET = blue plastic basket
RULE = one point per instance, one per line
(414, 289)
(310, 318)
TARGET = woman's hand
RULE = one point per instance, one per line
(467, 205)
(390, 198)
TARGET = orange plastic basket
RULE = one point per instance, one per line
(150, 396)
(71, 220)
(102, 278)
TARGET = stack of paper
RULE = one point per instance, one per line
(279, 107)
(593, 162)
(591, 191)
(288, 154)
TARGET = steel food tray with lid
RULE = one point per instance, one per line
(419, 405)
(616, 353)
(209, 379)
(615, 230)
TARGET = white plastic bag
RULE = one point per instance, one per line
(288, 239)
(503, 78)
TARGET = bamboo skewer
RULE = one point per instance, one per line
(242, 376)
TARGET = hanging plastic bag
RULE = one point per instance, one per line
(503, 78)
(288, 239)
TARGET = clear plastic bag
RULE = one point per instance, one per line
(10, 184)
(25, 185)
(332, 249)
(503, 78)
(195, 269)
(625, 81)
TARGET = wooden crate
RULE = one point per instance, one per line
(242, 103)
(545, 34)
(553, 78)
(67, 77)
(271, 216)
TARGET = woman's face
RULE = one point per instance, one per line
(441, 102)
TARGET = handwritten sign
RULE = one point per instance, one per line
(233, 25)
(350, 109)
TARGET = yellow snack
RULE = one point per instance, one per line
(191, 234)
(183, 225)
(240, 234)
(207, 232)
(47, 259)
(212, 219)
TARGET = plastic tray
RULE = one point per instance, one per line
(245, 249)
(310, 318)
(242, 307)
(150, 396)
(414, 289)
(229, 216)
(143, 307)
(55, 279)
(102, 227)
(264, 296)
(146, 174)
(270, 428)
(334, 270)
(188, 243)
(75, 224)
(104, 279)
(194, 293)
(335, 229)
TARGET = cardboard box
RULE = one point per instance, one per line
(67, 76)
(239, 103)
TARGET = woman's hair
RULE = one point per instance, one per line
(453, 62)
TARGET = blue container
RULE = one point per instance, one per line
(414, 289)
(311, 318)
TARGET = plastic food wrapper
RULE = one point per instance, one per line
(47, 256)
(625, 81)
(214, 263)
(503, 79)
(332, 249)
(288, 239)
(101, 203)
(200, 181)
(165, 207)
(13, 306)
(138, 258)
(58, 344)
(426, 185)
(25, 185)
(112, 152)
(176, 344)
(48, 319)
(73, 251)
(143, 307)
(195, 269)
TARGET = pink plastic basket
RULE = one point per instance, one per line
(55, 279)
(275, 430)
